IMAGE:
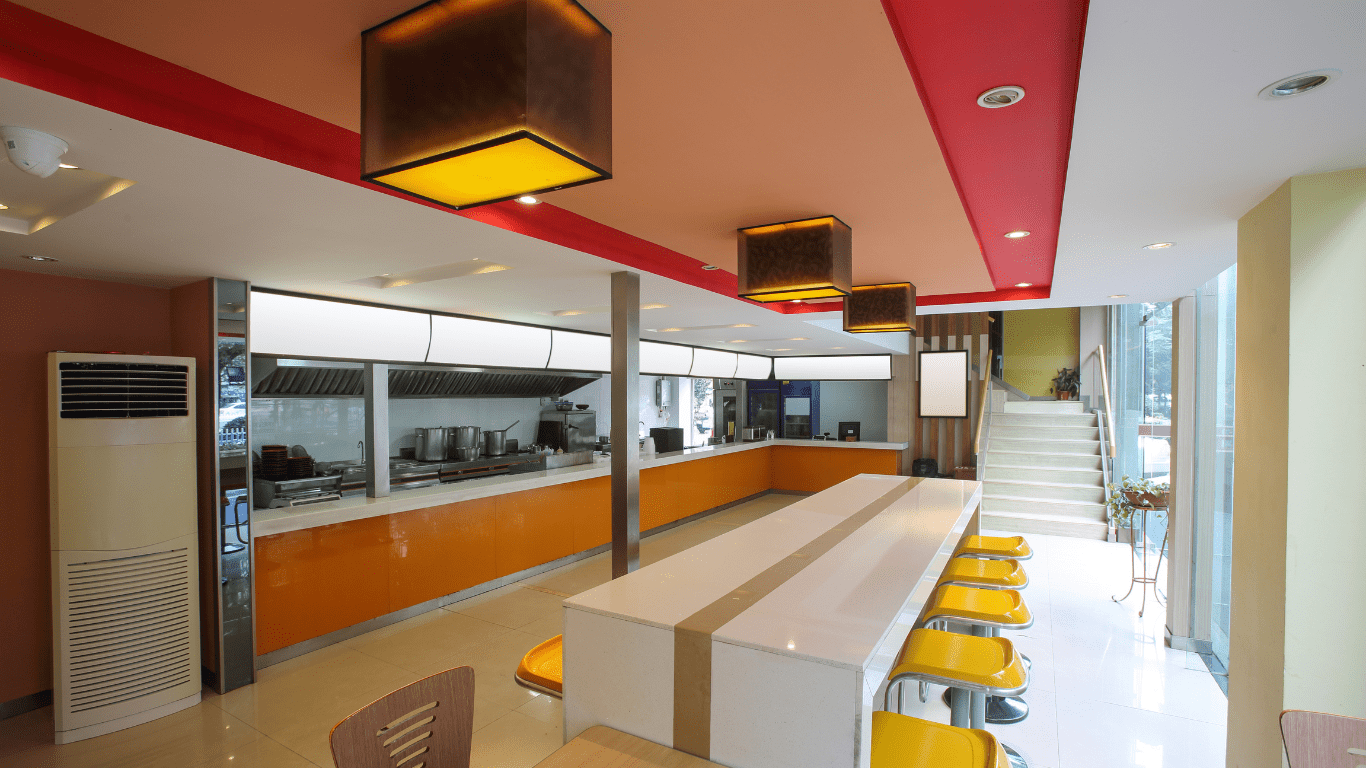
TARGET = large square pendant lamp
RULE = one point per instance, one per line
(468, 102)
(880, 308)
(806, 259)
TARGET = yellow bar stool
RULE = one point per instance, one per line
(995, 548)
(909, 742)
(988, 611)
(973, 667)
(984, 574)
(542, 668)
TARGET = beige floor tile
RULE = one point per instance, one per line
(547, 709)
(24, 732)
(494, 665)
(186, 738)
(546, 628)
(513, 606)
(392, 629)
(570, 580)
(262, 753)
(515, 740)
(487, 709)
(424, 644)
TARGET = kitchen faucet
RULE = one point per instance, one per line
(361, 444)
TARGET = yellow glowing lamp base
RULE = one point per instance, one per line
(492, 173)
(806, 293)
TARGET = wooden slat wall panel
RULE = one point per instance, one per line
(949, 441)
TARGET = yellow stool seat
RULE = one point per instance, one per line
(995, 548)
(908, 742)
(542, 668)
(987, 664)
(999, 608)
(987, 574)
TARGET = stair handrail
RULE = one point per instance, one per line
(1105, 390)
(983, 390)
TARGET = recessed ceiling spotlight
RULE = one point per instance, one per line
(1119, 295)
(668, 330)
(1157, 246)
(710, 267)
(1017, 234)
(527, 200)
(38, 258)
(780, 349)
(741, 325)
(654, 306)
(799, 338)
(837, 347)
(1023, 285)
(796, 301)
(3, 207)
(1001, 96)
(1299, 84)
(68, 166)
(738, 341)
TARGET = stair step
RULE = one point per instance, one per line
(1044, 406)
(1010, 522)
(1091, 477)
(1037, 444)
(1038, 459)
(1044, 433)
(1044, 420)
(1022, 505)
(1045, 491)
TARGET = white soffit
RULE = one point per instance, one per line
(464, 341)
(302, 327)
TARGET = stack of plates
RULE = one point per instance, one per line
(300, 467)
(274, 462)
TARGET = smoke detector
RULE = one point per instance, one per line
(1001, 96)
(33, 151)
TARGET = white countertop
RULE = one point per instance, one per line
(838, 609)
(268, 522)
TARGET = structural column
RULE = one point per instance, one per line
(1299, 527)
(376, 430)
(625, 416)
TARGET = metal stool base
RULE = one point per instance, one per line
(1016, 759)
(1000, 710)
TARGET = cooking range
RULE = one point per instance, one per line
(345, 478)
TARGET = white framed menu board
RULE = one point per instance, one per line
(944, 384)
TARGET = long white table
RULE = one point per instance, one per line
(766, 646)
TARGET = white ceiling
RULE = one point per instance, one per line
(199, 210)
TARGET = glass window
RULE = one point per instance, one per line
(1141, 365)
(699, 409)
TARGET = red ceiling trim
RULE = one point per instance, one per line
(50, 55)
(1009, 165)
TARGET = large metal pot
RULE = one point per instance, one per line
(461, 438)
(495, 440)
(430, 444)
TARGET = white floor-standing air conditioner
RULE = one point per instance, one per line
(125, 597)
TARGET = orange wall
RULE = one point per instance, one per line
(39, 314)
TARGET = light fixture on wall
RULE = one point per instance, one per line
(795, 260)
(466, 103)
(880, 308)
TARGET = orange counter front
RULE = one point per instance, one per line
(318, 580)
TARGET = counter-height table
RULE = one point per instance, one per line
(766, 646)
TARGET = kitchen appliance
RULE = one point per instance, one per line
(430, 444)
(667, 439)
(125, 546)
(849, 431)
(754, 434)
(495, 440)
(647, 446)
(568, 431)
(462, 443)
(274, 494)
(726, 421)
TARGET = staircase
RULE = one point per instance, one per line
(1042, 471)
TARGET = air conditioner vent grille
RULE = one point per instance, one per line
(129, 628)
(123, 390)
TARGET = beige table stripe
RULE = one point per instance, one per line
(692, 636)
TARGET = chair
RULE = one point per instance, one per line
(432, 718)
(995, 548)
(984, 574)
(973, 667)
(1318, 740)
(542, 668)
(909, 742)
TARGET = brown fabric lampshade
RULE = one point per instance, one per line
(468, 102)
(806, 259)
(880, 308)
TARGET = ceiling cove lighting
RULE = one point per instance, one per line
(1297, 85)
(880, 308)
(795, 260)
(1017, 234)
(1157, 246)
(468, 103)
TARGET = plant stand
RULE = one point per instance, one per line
(1138, 563)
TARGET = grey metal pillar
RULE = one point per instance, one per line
(376, 430)
(625, 416)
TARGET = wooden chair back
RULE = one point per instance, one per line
(427, 723)
(1318, 740)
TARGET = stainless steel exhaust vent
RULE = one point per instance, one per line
(311, 378)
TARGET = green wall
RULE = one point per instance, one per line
(1037, 343)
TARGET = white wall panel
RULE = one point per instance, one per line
(754, 367)
(665, 359)
(833, 368)
(466, 341)
(713, 364)
(572, 351)
(297, 326)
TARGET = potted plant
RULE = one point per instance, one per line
(1066, 383)
(1129, 495)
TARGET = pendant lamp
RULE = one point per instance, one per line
(805, 259)
(880, 308)
(469, 102)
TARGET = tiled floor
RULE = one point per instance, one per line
(1104, 692)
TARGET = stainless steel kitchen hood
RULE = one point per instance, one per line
(277, 377)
